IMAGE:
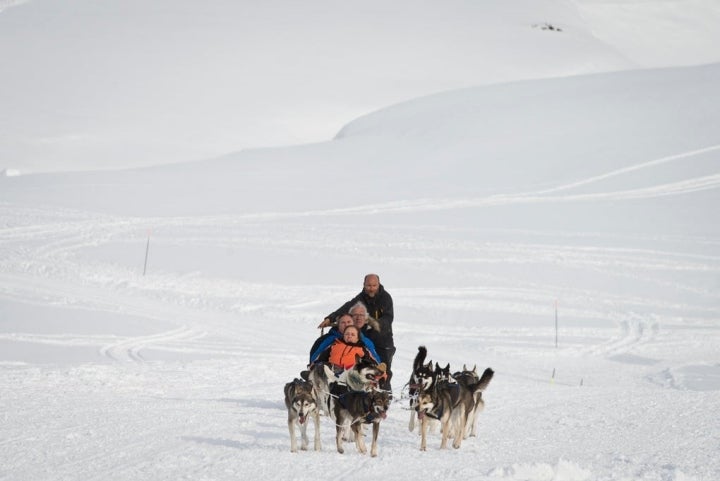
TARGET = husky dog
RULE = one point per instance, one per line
(422, 378)
(355, 408)
(363, 376)
(450, 402)
(442, 374)
(322, 378)
(301, 404)
(447, 403)
(327, 386)
(471, 380)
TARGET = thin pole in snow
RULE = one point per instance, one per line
(147, 249)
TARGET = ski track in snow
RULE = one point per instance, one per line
(130, 348)
(685, 186)
(644, 165)
(50, 270)
(215, 417)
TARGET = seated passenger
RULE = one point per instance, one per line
(323, 342)
(341, 353)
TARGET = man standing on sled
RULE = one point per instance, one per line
(379, 305)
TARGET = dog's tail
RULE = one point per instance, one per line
(420, 358)
(484, 380)
(318, 374)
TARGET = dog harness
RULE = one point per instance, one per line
(454, 389)
(369, 415)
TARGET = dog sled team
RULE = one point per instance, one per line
(348, 380)
(453, 400)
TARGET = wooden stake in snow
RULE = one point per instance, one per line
(147, 249)
(552, 378)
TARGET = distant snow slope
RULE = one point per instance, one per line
(600, 138)
(656, 33)
(117, 84)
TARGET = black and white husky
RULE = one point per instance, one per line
(421, 379)
(355, 408)
(453, 400)
(301, 404)
(450, 402)
(327, 386)
(424, 378)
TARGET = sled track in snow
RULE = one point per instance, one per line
(39, 260)
(634, 332)
(643, 165)
(685, 186)
(129, 349)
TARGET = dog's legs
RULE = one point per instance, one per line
(469, 424)
(304, 436)
(460, 424)
(413, 414)
(423, 433)
(349, 435)
(316, 420)
(479, 407)
(359, 439)
(445, 428)
(340, 428)
(293, 441)
(468, 428)
(373, 447)
(472, 416)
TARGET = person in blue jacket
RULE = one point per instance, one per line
(323, 342)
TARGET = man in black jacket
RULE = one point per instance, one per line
(379, 306)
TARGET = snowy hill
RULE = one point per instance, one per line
(116, 84)
(606, 137)
(150, 315)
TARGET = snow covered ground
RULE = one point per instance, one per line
(487, 211)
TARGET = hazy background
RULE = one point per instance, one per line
(88, 84)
